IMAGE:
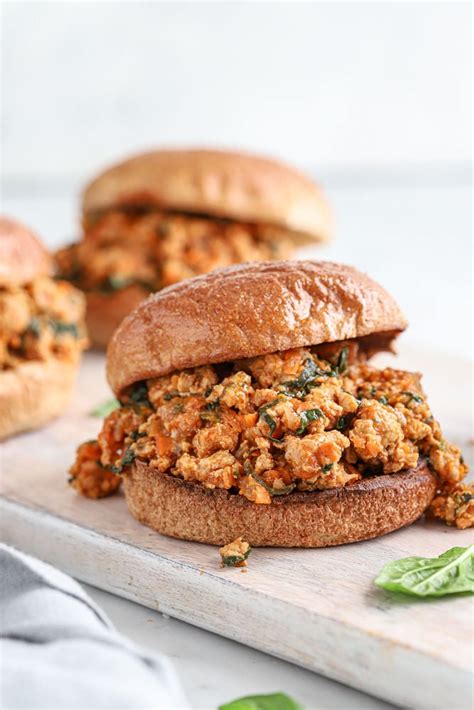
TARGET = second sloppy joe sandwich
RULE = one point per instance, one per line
(42, 333)
(249, 407)
(167, 215)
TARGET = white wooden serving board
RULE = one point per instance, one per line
(316, 608)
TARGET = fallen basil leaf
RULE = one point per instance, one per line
(450, 573)
(104, 409)
(276, 701)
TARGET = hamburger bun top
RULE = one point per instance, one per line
(248, 310)
(22, 255)
(237, 186)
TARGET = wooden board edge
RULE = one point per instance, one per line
(341, 652)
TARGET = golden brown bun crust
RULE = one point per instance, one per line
(244, 311)
(33, 393)
(22, 256)
(238, 186)
(105, 312)
(372, 507)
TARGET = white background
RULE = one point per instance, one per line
(328, 85)
(373, 99)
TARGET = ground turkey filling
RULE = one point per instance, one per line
(269, 425)
(155, 249)
(40, 320)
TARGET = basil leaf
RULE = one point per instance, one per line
(34, 327)
(450, 573)
(116, 283)
(306, 417)
(235, 560)
(271, 424)
(248, 470)
(61, 328)
(342, 362)
(306, 381)
(344, 421)
(275, 701)
(415, 397)
(139, 394)
(104, 409)
(127, 459)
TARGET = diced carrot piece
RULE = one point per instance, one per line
(164, 444)
(250, 419)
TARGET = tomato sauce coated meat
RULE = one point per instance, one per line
(39, 320)
(282, 422)
(155, 249)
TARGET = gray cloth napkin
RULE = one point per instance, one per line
(59, 650)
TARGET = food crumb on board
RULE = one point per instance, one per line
(235, 553)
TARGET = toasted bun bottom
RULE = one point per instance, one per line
(33, 393)
(372, 507)
(105, 312)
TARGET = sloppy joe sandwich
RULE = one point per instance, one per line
(249, 407)
(42, 332)
(167, 215)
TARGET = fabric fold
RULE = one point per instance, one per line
(59, 650)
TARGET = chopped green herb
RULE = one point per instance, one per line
(234, 560)
(134, 435)
(61, 328)
(249, 471)
(275, 701)
(342, 362)
(306, 417)
(104, 409)
(127, 459)
(300, 387)
(235, 553)
(344, 421)
(117, 283)
(139, 394)
(34, 327)
(171, 395)
(327, 467)
(271, 423)
(415, 397)
(383, 399)
(450, 573)
(210, 406)
(341, 423)
(270, 404)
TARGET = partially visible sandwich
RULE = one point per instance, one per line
(167, 215)
(42, 333)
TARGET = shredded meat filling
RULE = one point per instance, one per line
(41, 319)
(286, 421)
(154, 249)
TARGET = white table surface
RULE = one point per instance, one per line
(416, 241)
(214, 670)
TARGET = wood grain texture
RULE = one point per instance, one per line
(317, 608)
